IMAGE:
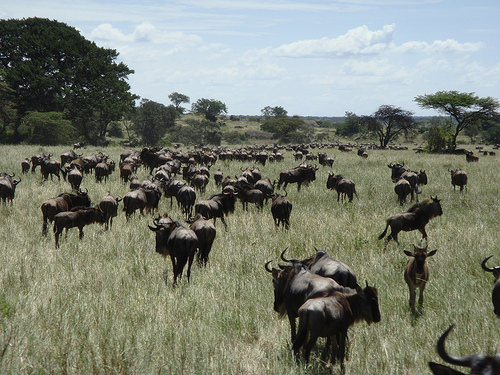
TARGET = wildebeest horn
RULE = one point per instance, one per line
(458, 361)
(267, 266)
(154, 229)
(483, 265)
(287, 260)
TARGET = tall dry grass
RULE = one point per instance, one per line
(106, 304)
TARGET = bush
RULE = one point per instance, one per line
(47, 128)
(439, 139)
(115, 130)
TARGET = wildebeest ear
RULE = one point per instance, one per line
(431, 253)
(438, 369)
(410, 254)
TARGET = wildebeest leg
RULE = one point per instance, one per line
(291, 318)
(58, 233)
(190, 262)
(223, 222)
(412, 298)
(286, 224)
(310, 344)
(298, 185)
(424, 233)
(342, 346)
(421, 296)
(81, 232)
(44, 227)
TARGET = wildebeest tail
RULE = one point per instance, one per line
(384, 232)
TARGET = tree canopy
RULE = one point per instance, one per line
(288, 129)
(389, 122)
(152, 120)
(52, 68)
(273, 112)
(210, 108)
(177, 99)
(466, 109)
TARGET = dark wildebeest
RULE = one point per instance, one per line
(416, 273)
(416, 217)
(218, 177)
(343, 186)
(266, 186)
(458, 178)
(134, 200)
(281, 208)
(63, 202)
(206, 232)
(470, 157)
(25, 166)
(126, 171)
(331, 317)
(479, 364)
(495, 294)
(295, 284)
(78, 145)
(78, 217)
(171, 188)
(109, 208)
(325, 160)
(402, 189)
(248, 194)
(414, 178)
(51, 167)
(37, 160)
(302, 174)
(217, 206)
(103, 170)
(68, 156)
(75, 176)
(177, 241)
(323, 265)
(186, 199)
(199, 181)
(8, 187)
(261, 157)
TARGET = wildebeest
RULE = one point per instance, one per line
(479, 364)
(218, 176)
(199, 181)
(37, 159)
(414, 178)
(206, 232)
(302, 174)
(217, 206)
(470, 157)
(68, 156)
(325, 160)
(103, 170)
(266, 186)
(171, 188)
(109, 208)
(248, 194)
(295, 284)
(63, 202)
(416, 273)
(458, 178)
(8, 187)
(51, 167)
(75, 176)
(177, 241)
(343, 186)
(323, 265)
(78, 145)
(186, 199)
(495, 294)
(134, 200)
(331, 317)
(402, 189)
(78, 217)
(25, 166)
(416, 217)
(281, 208)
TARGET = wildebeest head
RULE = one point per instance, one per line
(163, 226)
(371, 310)
(479, 364)
(419, 255)
(494, 270)
(397, 170)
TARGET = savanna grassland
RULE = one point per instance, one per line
(106, 305)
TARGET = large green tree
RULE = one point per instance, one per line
(466, 109)
(273, 112)
(288, 129)
(388, 123)
(7, 110)
(152, 120)
(52, 67)
(210, 108)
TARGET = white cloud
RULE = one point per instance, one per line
(440, 46)
(358, 41)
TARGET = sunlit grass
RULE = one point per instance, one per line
(106, 304)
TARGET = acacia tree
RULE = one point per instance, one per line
(52, 68)
(273, 112)
(177, 99)
(152, 120)
(389, 122)
(466, 109)
(210, 108)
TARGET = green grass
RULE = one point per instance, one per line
(101, 305)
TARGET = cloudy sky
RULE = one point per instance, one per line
(311, 57)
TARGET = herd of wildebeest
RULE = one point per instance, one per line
(321, 291)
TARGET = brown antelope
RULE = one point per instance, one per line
(417, 273)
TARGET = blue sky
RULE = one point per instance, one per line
(311, 57)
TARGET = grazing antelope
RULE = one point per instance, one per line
(495, 294)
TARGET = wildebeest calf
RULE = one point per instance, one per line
(416, 273)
